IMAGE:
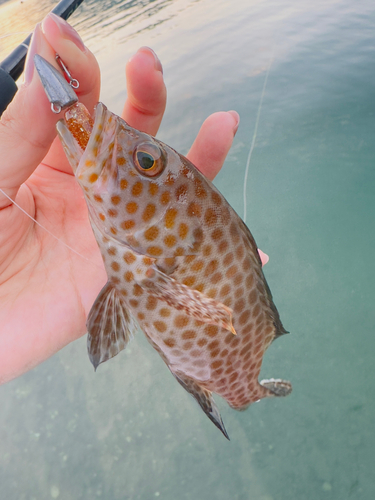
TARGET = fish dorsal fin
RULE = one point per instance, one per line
(109, 325)
(279, 328)
(204, 399)
(184, 298)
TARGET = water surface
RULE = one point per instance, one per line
(129, 432)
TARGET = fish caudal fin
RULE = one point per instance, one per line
(109, 326)
(276, 387)
(203, 398)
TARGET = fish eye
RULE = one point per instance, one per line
(149, 159)
(145, 160)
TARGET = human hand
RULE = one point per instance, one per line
(46, 290)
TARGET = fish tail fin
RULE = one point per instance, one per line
(109, 326)
(275, 387)
(204, 399)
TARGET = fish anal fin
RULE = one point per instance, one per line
(276, 387)
(204, 399)
(184, 298)
(109, 326)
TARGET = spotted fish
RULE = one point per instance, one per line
(180, 263)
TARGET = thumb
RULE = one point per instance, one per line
(27, 128)
(27, 125)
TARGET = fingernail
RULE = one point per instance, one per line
(157, 63)
(66, 30)
(236, 116)
(34, 48)
(263, 257)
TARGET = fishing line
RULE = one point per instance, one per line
(47, 230)
(253, 141)
(15, 33)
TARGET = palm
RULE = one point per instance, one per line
(50, 288)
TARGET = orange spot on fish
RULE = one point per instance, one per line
(137, 189)
(115, 266)
(217, 234)
(216, 198)
(131, 207)
(170, 240)
(160, 326)
(183, 230)
(211, 330)
(170, 342)
(179, 252)
(137, 290)
(151, 233)
(123, 184)
(181, 320)
(93, 178)
(188, 335)
(210, 217)
(129, 276)
(197, 266)
(155, 251)
(211, 267)
(127, 224)
(151, 303)
(115, 200)
(194, 210)
(170, 217)
(189, 281)
(147, 261)
(153, 188)
(165, 198)
(149, 212)
(129, 258)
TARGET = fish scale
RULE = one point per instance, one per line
(179, 260)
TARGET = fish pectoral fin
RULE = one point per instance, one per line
(184, 298)
(276, 387)
(204, 399)
(109, 326)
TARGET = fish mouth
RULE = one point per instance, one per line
(86, 134)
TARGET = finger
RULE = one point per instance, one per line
(213, 142)
(147, 95)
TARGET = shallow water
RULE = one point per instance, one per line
(129, 431)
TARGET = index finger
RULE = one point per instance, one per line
(147, 95)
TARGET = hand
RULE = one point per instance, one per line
(46, 290)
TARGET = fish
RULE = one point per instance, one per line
(180, 263)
